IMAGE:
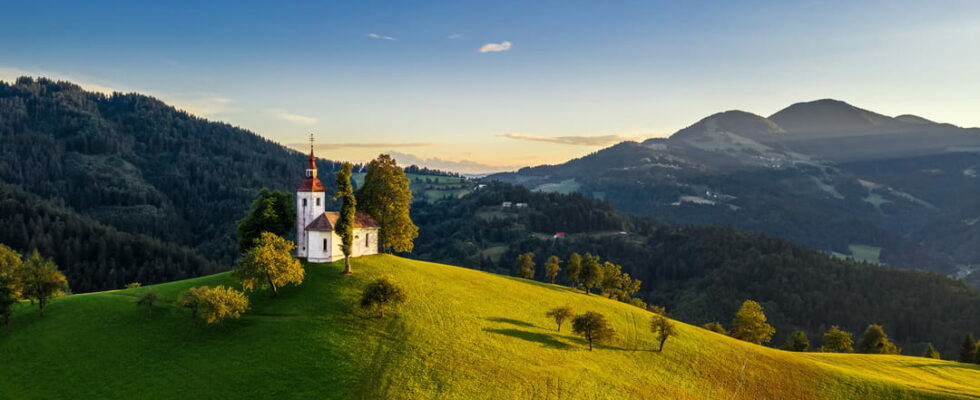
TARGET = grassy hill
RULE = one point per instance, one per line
(464, 334)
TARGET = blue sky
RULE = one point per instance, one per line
(569, 77)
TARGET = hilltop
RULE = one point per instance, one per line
(462, 332)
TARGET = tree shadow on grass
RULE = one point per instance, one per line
(542, 338)
(511, 321)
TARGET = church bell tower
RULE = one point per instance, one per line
(310, 203)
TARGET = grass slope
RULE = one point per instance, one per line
(464, 334)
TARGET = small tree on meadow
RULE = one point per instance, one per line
(716, 327)
(560, 315)
(7, 299)
(525, 265)
(930, 351)
(552, 267)
(348, 211)
(191, 299)
(797, 342)
(42, 281)
(968, 352)
(10, 288)
(219, 303)
(875, 341)
(836, 340)
(269, 264)
(381, 293)
(147, 299)
(591, 274)
(593, 327)
(663, 328)
(573, 269)
(750, 324)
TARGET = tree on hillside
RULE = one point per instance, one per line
(617, 284)
(750, 324)
(875, 341)
(41, 280)
(387, 197)
(525, 265)
(593, 327)
(348, 210)
(715, 327)
(7, 299)
(573, 269)
(931, 352)
(215, 304)
(381, 293)
(560, 315)
(552, 267)
(269, 264)
(797, 342)
(663, 328)
(147, 298)
(591, 274)
(836, 340)
(273, 211)
(968, 353)
(10, 288)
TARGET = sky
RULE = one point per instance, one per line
(478, 86)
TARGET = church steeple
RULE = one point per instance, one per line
(311, 183)
(311, 166)
(311, 202)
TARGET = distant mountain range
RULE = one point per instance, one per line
(900, 190)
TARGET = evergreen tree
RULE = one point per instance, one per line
(836, 340)
(269, 264)
(560, 315)
(968, 353)
(663, 328)
(552, 267)
(715, 327)
(875, 341)
(272, 211)
(591, 274)
(797, 342)
(593, 327)
(382, 293)
(348, 210)
(525, 265)
(41, 280)
(573, 269)
(930, 351)
(387, 197)
(750, 324)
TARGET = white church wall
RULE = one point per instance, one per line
(365, 242)
(309, 206)
(321, 246)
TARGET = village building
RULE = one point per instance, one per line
(316, 239)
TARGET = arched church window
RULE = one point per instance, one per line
(304, 202)
(324, 244)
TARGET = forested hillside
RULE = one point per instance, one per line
(701, 274)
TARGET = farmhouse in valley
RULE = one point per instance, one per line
(316, 239)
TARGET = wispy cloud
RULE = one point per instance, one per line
(381, 37)
(602, 140)
(462, 166)
(455, 36)
(363, 145)
(299, 119)
(495, 47)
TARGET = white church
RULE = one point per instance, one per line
(316, 239)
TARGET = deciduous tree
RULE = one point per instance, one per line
(42, 281)
(387, 197)
(215, 304)
(381, 293)
(875, 341)
(272, 211)
(348, 210)
(836, 340)
(573, 269)
(797, 342)
(750, 324)
(269, 264)
(716, 327)
(560, 315)
(593, 327)
(552, 267)
(663, 328)
(525, 265)
(591, 274)
(147, 298)
(930, 351)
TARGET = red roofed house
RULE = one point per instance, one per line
(315, 237)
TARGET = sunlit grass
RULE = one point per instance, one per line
(463, 334)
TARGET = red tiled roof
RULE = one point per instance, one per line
(327, 220)
(310, 185)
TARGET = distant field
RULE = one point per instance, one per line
(430, 187)
(564, 187)
(464, 334)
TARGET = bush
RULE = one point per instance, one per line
(147, 299)
(381, 293)
(214, 304)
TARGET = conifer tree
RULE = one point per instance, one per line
(348, 211)
(875, 341)
(573, 269)
(272, 211)
(41, 280)
(386, 196)
(525, 265)
(836, 340)
(552, 267)
(968, 353)
(269, 264)
(930, 351)
(750, 324)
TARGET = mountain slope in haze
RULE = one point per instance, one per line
(447, 342)
(824, 173)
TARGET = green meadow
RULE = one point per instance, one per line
(463, 334)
